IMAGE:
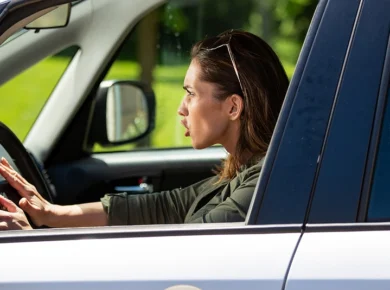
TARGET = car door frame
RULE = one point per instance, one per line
(290, 171)
(339, 197)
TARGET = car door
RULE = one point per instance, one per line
(345, 244)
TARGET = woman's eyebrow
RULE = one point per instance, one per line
(186, 88)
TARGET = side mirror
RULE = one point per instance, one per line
(124, 112)
(57, 17)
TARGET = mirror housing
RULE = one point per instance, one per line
(56, 18)
(124, 112)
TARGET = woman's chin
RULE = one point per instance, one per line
(200, 145)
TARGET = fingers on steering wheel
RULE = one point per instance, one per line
(7, 165)
(8, 204)
(3, 226)
(15, 180)
(10, 173)
(5, 162)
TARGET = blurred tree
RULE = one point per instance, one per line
(146, 55)
(180, 23)
(192, 20)
(295, 17)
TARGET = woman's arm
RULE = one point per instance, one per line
(44, 213)
(165, 207)
(79, 215)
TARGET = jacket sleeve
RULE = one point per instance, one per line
(235, 207)
(166, 207)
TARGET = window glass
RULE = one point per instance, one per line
(14, 36)
(23, 97)
(157, 50)
(379, 207)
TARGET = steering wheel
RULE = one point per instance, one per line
(26, 165)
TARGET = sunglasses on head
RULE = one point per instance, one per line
(232, 59)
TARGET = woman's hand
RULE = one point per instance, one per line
(31, 202)
(43, 212)
(14, 218)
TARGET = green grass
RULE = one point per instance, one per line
(23, 97)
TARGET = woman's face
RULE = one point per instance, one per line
(206, 119)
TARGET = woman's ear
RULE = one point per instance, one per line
(236, 106)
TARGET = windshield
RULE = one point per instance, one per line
(14, 36)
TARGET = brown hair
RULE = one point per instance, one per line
(264, 82)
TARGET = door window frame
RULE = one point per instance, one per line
(343, 162)
(300, 133)
(380, 115)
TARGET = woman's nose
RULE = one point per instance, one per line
(182, 110)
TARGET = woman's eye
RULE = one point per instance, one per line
(191, 94)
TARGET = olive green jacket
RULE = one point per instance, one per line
(204, 202)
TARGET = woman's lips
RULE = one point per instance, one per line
(184, 123)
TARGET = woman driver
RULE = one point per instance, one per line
(235, 86)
